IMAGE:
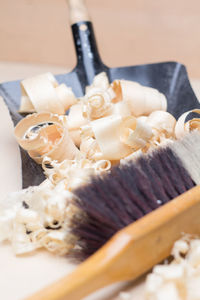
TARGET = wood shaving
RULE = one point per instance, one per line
(180, 279)
(141, 100)
(183, 127)
(45, 134)
(43, 93)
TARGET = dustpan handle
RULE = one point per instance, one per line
(88, 59)
(77, 11)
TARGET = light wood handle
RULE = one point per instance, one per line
(77, 11)
(132, 251)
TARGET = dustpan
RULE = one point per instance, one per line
(170, 78)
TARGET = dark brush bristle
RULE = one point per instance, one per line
(116, 199)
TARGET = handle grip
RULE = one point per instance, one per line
(77, 11)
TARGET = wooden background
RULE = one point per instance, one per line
(128, 32)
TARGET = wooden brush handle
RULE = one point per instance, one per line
(77, 11)
(132, 251)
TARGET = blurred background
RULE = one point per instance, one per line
(35, 35)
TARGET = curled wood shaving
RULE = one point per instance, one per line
(107, 133)
(75, 117)
(135, 133)
(163, 122)
(121, 108)
(141, 100)
(100, 81)
(43, 93)
(97, 103)
(42, 221)
(90, 147)
(75, 121)
(180, 279)
(182, 128)
(45, 134)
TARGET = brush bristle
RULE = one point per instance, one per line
(113, 201)
(189, 151)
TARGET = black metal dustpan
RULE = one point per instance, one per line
(170, 78)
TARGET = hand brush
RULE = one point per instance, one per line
(112, 201)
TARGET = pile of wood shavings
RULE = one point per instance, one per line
(180, 279)
(111, 124)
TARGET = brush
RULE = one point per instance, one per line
(133, 200)
(130, 191)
